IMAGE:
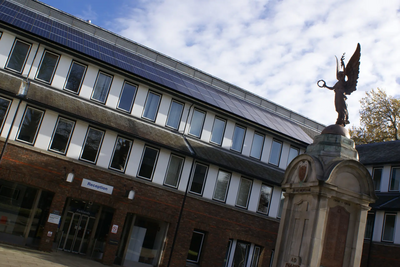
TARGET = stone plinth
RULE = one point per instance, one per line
(327, 199)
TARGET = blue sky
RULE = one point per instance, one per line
(277, 49)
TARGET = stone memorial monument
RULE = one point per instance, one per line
(327, 193)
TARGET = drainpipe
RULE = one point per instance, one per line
(185, 195)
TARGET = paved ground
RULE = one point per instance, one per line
(11, 256)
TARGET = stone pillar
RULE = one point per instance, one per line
(113, 239)
(327, 198)
(50, 229)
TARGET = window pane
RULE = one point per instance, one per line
(221, 186)
(174, 115)
(100, 91)
(293, 152)
(395, 181)
(228, 253)
(368, 227)
(257, 146)
(243, 193)
(30, 125)
(92, 145)
(18, 56)
(121, 154)
(195, 247)
(275, 153)
(238, 137)
(376, 176)
(198, 179)
(265, 198)
(75, 77)
(218, 131)
(241, 254)
(127, 96)
(4, 105)
(62, 135)
(47, 67)
(174, 171)
(388, 231)
(148, 162)
(197, 123)
(256, 257)
(151, 106)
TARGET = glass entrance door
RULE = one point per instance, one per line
(76, 232)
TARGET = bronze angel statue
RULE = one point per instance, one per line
(346, 84)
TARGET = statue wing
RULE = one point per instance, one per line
(352, 70)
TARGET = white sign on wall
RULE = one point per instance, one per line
(97, 186)
(54, 218)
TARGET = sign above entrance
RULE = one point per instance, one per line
(97, 186)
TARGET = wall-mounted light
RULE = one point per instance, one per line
(23, 89)
(131, 194)
(70, 177)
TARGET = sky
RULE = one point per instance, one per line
(277, 49)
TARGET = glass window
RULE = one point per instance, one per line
(75, 77)
(18, 56)
(199, 178)
(281, 205)
(265, 199)
(369, 226)
(228, 253)
(241, 254)
(293, 152)
(121, 152)
(151, 106)
(47, 67)
(148, 163)
(196, 245)
(102, 86)
(4, 107)
(376, 176)
(395, 180)
(275, 155)
(257, 146)
(30, 125)
(238, 137)
(256, 256)
(218, 130)
(388, 228)
(174, 171)
(91, 147)
(174, 114)
(61, 135)
(222, 185)
(127, 97)
(197, 122)
(243, 195)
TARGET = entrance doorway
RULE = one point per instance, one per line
(76, 232)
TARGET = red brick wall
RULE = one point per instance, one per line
(220, 222)
(381, 254)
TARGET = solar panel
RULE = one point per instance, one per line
(67, 36)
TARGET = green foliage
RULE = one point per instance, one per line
(379, 118)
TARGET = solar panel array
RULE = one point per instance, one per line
(82, 42)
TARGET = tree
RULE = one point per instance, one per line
(380, 118)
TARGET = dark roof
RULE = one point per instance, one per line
(387, 201)
(236, 162)
(42, 23)
(379, 153)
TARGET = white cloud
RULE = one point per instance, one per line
(276, 49)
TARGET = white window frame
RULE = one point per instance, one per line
(374, 178)
(6, 112)
(107, 90)
(54, 69)
(154, 165)
(262, 145)
(204, 180)
(11, 53)
(391, 178)
(218, 142)
(180, 171)
(69, 74)
(201, 246)
(127, 155)
(169, 114)
(202, 123)
(69, 137)
(121, 96)
(280, 152)
(384, 227)
(292, 148)
(242, 139)
(248, 193)
(147, 103)
(269, 199)
(227, 186)
(37, 127)
(99, 147)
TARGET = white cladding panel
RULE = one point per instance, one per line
(139, 101)
(161, 166)
(106, 149)
(77, 139)
(161, 118)
(46, 130)
(115, 92)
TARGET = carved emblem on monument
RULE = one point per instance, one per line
(303, 170)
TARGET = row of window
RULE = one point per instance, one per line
(75, 77)
(238, 253)
(394, 184)
(62, 134)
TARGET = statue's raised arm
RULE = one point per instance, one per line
(347, 81)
